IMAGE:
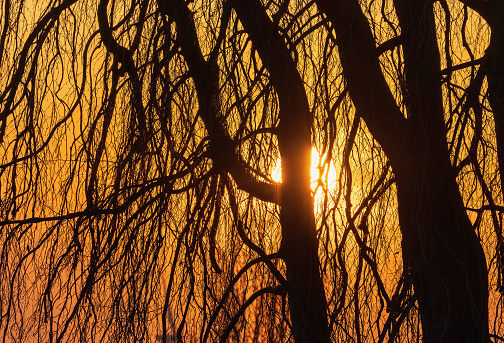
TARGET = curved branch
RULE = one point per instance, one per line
(278, 290)
(366, 84)
(205, 76)
(229, 288)
(482, 7)
(42, 28)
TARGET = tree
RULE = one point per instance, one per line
(446, 261)
(139, 140)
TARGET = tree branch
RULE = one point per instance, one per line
(278, 290)
(480, 6)
(366, 84)
(205, 76)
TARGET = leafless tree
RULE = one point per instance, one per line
(140, 142)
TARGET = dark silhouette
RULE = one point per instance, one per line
(138, 144)
(440, 248)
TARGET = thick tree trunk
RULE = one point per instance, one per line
(446, 260)
(493, 67)
(299, 249)
(441, 251)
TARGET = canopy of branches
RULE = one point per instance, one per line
(141, 143)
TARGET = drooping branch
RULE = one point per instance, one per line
(124, 56)
(41, 30)
(231, 285)
(278, 290)
(6, 22)
(205, 75)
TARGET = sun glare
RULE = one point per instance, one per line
(321, 173)
(276, 173)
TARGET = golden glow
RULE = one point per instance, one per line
(322, 174)
(276, 173)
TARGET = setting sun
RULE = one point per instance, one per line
(254, 171)
(321, 173)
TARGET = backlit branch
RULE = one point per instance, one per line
(205, 75)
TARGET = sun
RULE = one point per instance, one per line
(276, 172)
(323, 175)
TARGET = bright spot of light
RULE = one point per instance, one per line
(322, 174)
(276, 173)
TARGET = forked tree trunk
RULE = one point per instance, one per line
(440, 249)
(307, 303)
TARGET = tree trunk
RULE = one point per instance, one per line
(307, 303)
(440, 249)
(493, 66)
(299, 249)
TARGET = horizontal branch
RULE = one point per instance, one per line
(486, 208)
(106, 211)
(468, 64)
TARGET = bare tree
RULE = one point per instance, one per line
(139, 145)
(440, 248)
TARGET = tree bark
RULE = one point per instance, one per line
(440, 249)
